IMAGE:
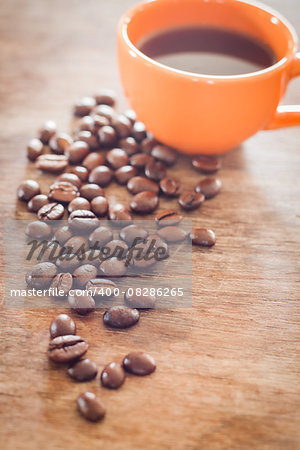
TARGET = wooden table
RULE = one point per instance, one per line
(227, 370)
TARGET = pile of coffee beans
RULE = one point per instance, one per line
(66, 347)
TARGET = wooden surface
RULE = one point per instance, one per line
(227, 370)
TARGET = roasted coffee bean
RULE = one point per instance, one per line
(77, 151)
(79, 203)
(90, 406)
(90, 191)
(62, 234)
(93, 256)
(113, 267)
(99, 206)
(59, 143)
(119, 212)
(83, 274)
(51, 163)
(76, 244)
(83, 370)
(116, 248)
(107, 136)
(190, 200)
(52, 211)
(121, 317)
(122, 125)
(100, 236)
(206, 164)
(209, 187)
(50, 252)
(81, 172)
(113, 376)
(67, 348)
(81, 302)
(139, 160)
(62, 283)
(139, 363)
(99, 122)
(168, 217)
(150, 251)
(106, 97)
(101, 288)
(84, 106)
(105, 111)
(89, 138)
(147, 145)
(62, 325)
(155, 170)
(36, 202)
(132, 232)
(170, 187)
(68, 262)
(165, 154)
(123, 174)
(86, 123)
(34, 149)
(172, 234)
(130, 145)
(117, 158)
(41, 275)
(144, 202)
(140, 184)
(70, 178)
(47, 131)
(93, 160)
(131, 115)
(134, 298)
(101, 175)
(83, 220)
(27, 190)
(139, 131)
(62, 192)
(38, 230)
(203, 237)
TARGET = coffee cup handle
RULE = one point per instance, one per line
(287, 115)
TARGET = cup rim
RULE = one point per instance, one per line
(127, 16)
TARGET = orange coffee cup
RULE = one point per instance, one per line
(198, 113)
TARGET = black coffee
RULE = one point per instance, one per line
(207, 50)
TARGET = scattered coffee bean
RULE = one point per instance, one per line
(164, 154)
(62, 234)
(117, 158)
(106, 97)
(206, 164)
(27, 190)
(101, 175)
(68, 262)
(113, 376)
(116, 248)
(89, 138)
(99, 206)
(41, 275)
(62, 192)
(93, 160)
(90, 191)
(86, 123)
(170, 187)
(62, 282)
(131, 115)
(47, 131)
(34, 149)
(121, 317)
(67, 348)
(144, 202)
(190, 200)
(81, 172)
(147, 145)
(51, 163)
(124, 173)
(107, 136)
(79, 203)
(101, 288)
(76, 245)
(209, 187)
(105, 111)
(134, 298)
(168, 217)
(172, 234)
(122, 125)
(140, 184)
(36, 202)
(84, 106)
(119, 212)
(132, 232)
(62, 325)
(113, 267)
(81, 302)
(52, 211)
(83, 274)
(100, 236)
(139, 363)
(203, 237)
(83, 370)
(70, 178)
(90, 406)
(129, 145)
(77, 151)
(59, 143)
(155, 170)
(139, 160)
(38, 230)
(139, 131)
(99, 122)
(83, 220)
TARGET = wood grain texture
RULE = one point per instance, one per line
(227, 370)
